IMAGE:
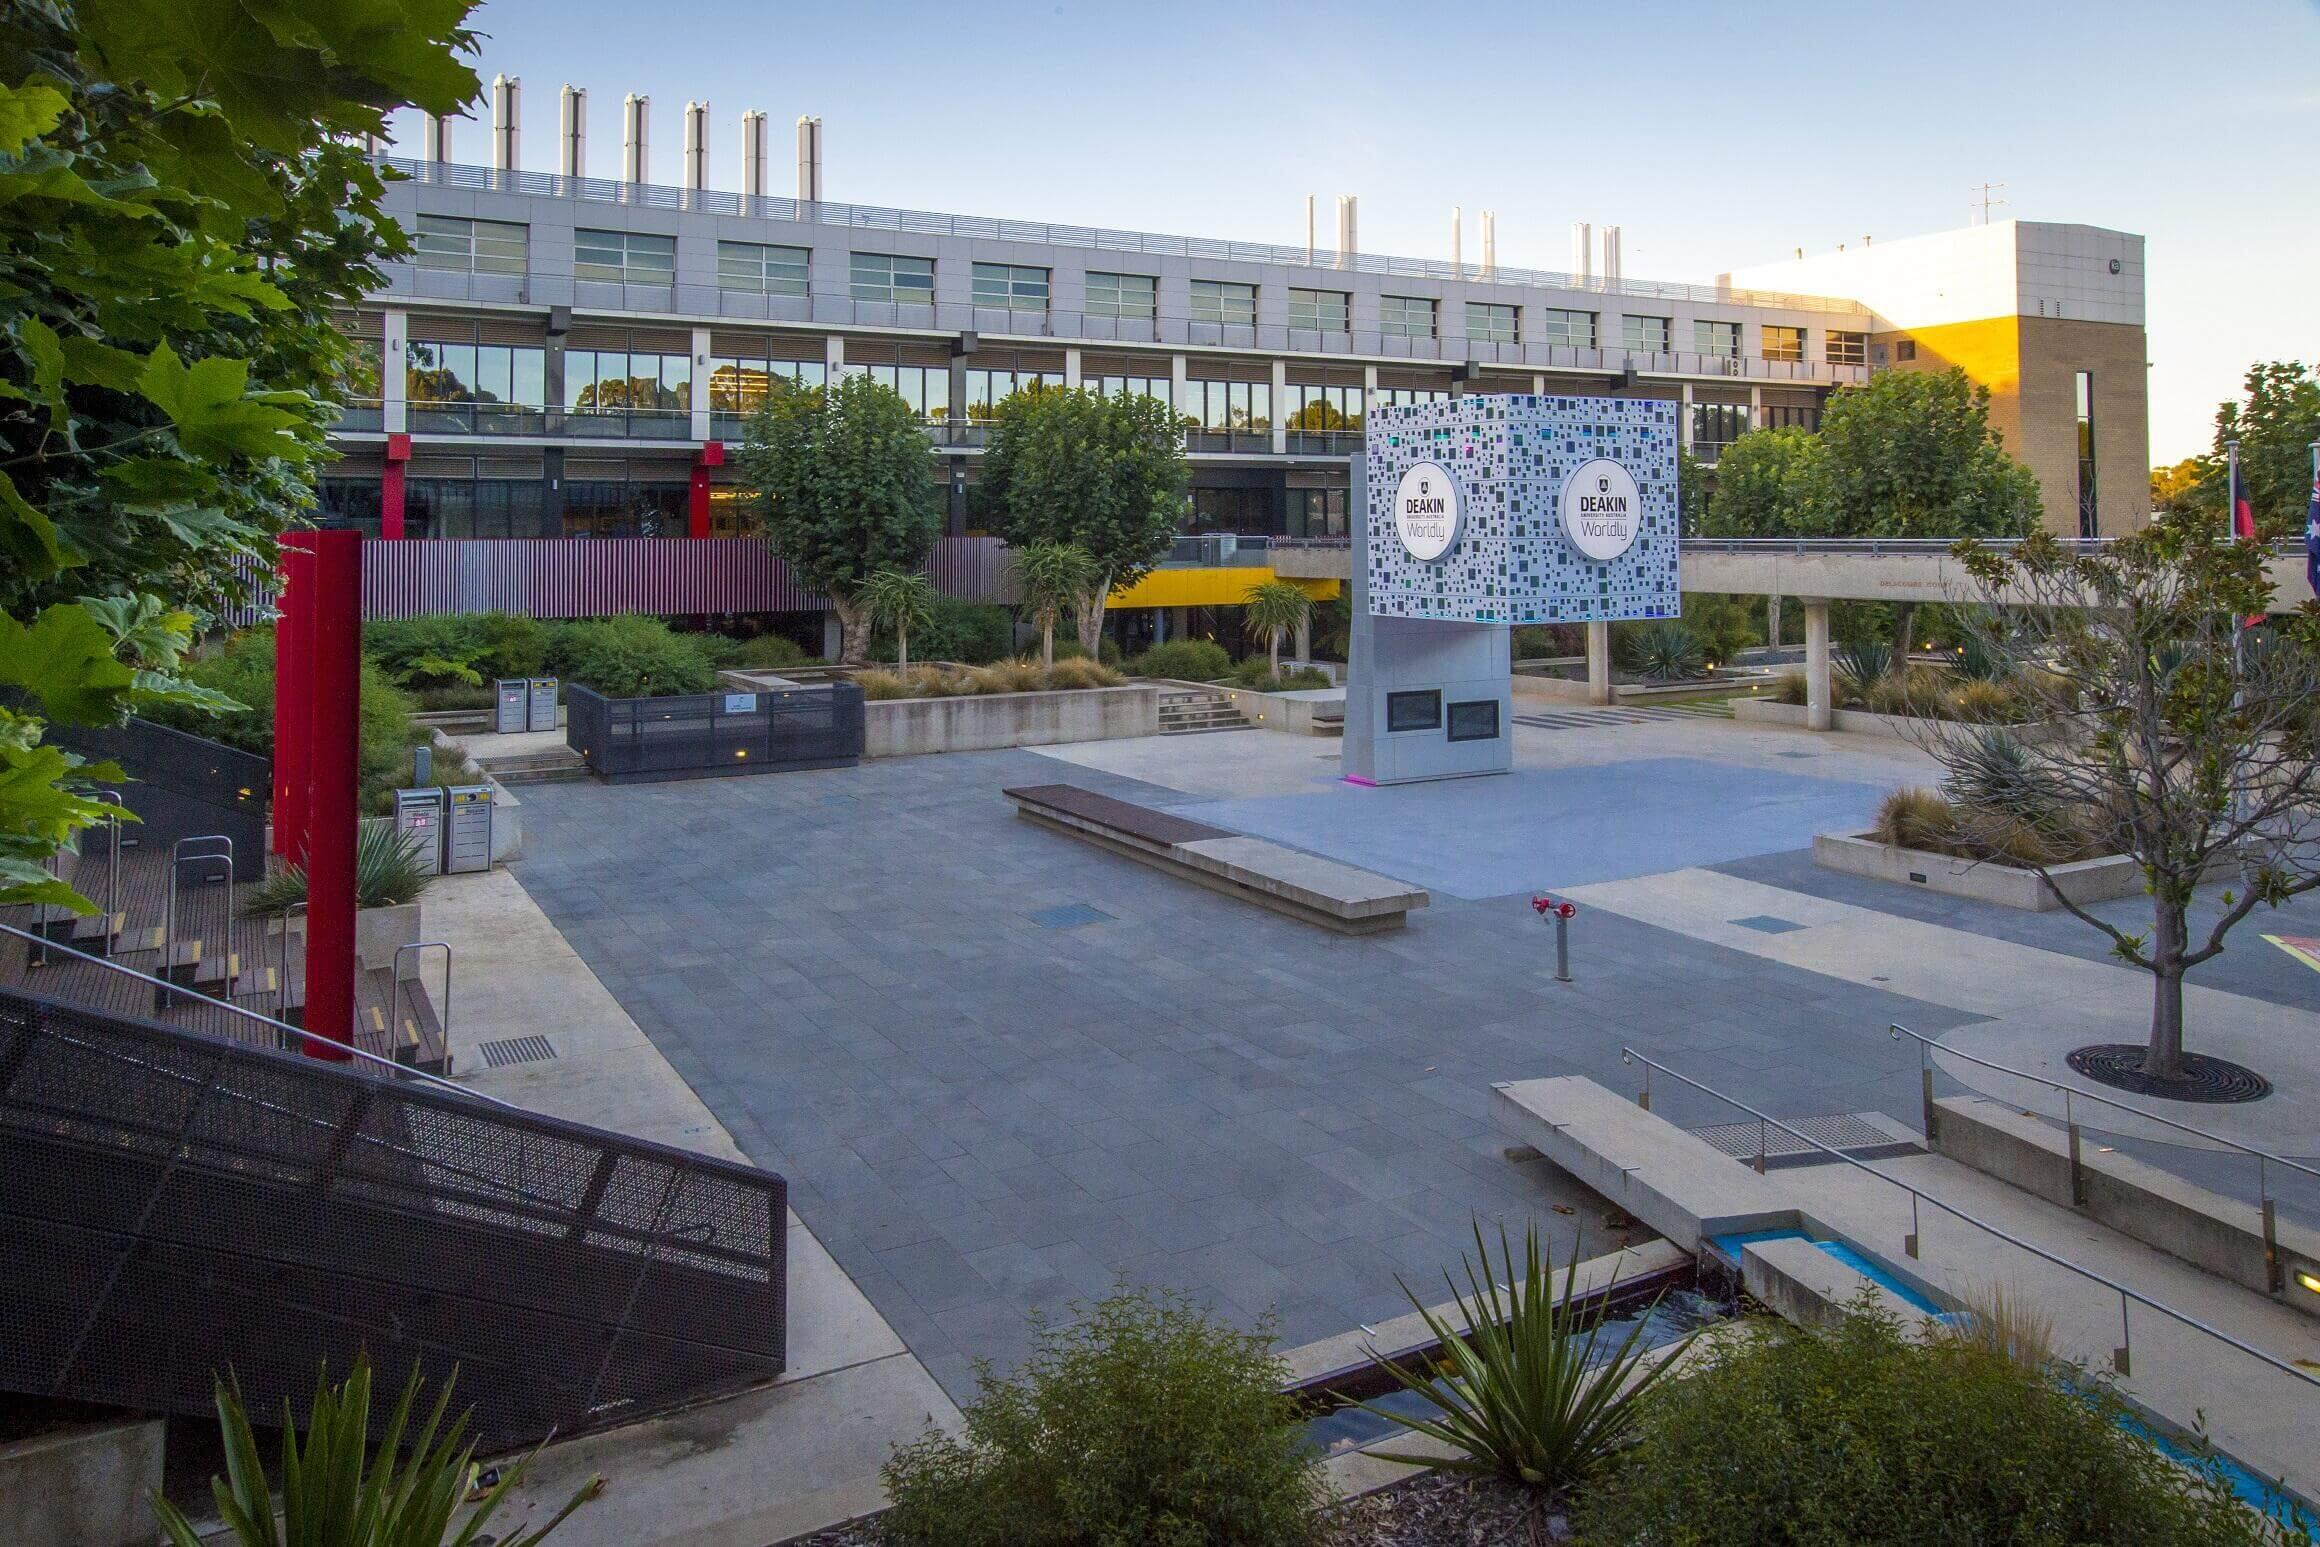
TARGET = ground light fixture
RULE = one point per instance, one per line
(2308, 1279)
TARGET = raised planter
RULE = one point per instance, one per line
(912, 727)
(1901, 727)
(1299, 711)
(2009, 886)
(380, 932)
(82, 1485)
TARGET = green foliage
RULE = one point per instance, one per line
(183, 204)
(387, 871)
(1908, 454)
(1106, 475)
(1107, 651)
(1996, 773)
(764, 652)
(404, 1493)
(1724, 625)
(896, 601)
(1802, 1437)
(1791, 688)
(1257, 674)
(445, 650)
(2275, 425)
(1547, 641)
(1979, 658)
(1859, 664)
(1523, 1393)
(1193, 660)
(1916, 819)
(976, 633)
(632, 657)
(846, 487)
(1692, 485)
(1665, 651)
(1145, 1422)
(1274, 609)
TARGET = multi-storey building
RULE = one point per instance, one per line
(572, 357)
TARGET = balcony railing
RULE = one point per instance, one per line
(1243, 442)
(475, 419)
(1219, 550)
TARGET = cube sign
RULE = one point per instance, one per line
(1523, 509)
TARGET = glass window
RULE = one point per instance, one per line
(987, 389)
(1406, 316)
(1905, 349)
(471, 246)
(1474, 720)
(1221, 300)
(1130, 297)
(1395, 397)
(926, 388)
(1490, 323)
(1317, 512)
(1128, 386)
(1781, 416)
(1848, 348)
(1715, 426)
(1553, 325)
(624, 257)
(1010, 287)
(1229, 405)
(1322, 408)
(1783, 343)
(753, 266)
(1414, 711)
(886, 276)
(2089, 525)
(1716, 338)
(1325, 311)
(608, 380)
(740, 386)
(1646, 334)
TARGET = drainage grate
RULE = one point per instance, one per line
(1853, 1134)
(517, 1050)
(1070, 916)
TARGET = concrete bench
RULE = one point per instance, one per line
(1295, 885)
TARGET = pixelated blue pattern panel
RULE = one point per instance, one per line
(1513, 562)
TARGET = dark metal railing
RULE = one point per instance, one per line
(705, 735)
(179, 1205)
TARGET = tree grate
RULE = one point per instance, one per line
(2215, 1080)
(517, 1050)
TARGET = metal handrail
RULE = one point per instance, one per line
(2267, 1207)
(396, 1070)
(395, 994)
(1899, 547)
(2122, 1357)
(115, 799)
(179, 857)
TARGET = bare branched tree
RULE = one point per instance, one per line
(2176, 732)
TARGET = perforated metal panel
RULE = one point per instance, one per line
(467, 830)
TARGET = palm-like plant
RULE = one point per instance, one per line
(1521, 1391)
(387, 871)
(332, 1496)
(1274, 609)
(897, 599)
(1860, 664)
(1665, 652)
(1051, 577)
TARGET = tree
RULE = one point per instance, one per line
(900, 600)
(2170, 485)
(1050, 577)
(1692, 482)
(2275, 427)
(183, 206)
(2186, 747)
(1273, 609)
(845, 487)
(1105, 474)
(1766, 486)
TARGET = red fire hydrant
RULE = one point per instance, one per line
(1562, 913)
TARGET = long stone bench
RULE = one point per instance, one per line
(1296, 885)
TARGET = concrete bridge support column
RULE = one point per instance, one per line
(1818, 695)
(1305, 639)
(1599, 663)
(1772, 620)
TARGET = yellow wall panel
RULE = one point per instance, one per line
(1220, 587)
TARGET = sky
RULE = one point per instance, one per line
(1716, 135)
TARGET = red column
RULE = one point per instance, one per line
(334, 643)
(711, 454)
(292, 699)
(391, 486)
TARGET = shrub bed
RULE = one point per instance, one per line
(1922, 692)
(1193, 660)
(1017, 676)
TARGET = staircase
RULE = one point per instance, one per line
(171, 915)
(550, 765)
(1188, 711)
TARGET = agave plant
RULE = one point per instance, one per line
(386, 872)
(1861, 664)
(335, 1496)
(1523, 1392)
(1664, 652)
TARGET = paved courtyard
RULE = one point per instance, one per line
(1001, 1068)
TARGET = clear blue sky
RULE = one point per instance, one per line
(1717, 135)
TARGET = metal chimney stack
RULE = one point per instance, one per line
(753, 154)
(635, 131)
(507, 97)
(696, 146)
(1612, 267)
(1348, 229)
(1458, 241)
(435, 143)
(1582, 251)
(572, 133)
(809, 148)
(1489, 244)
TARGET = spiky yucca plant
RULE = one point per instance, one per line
(333, 1495)
(1520, 1391)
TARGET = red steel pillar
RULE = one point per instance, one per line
(292, 699)
(333, 622)
(391, 486)
(711, 454)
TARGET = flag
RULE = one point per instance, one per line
(2243, 527)
(2312, 535)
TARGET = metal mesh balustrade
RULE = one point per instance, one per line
(703, 735)
(177, 1205)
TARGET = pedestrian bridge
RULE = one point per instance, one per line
(1810, 571)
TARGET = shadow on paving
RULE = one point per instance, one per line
(981, 1114)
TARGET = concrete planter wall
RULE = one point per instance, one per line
(1301, 712)
(2084, 881)
(83, 1486)
(1901, 727)
(378, 932)
(910, 727)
